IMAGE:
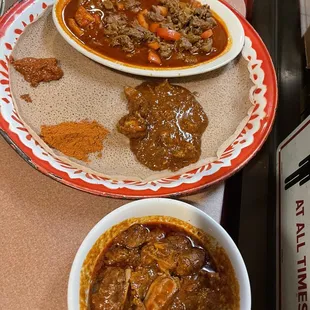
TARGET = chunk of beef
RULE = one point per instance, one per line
(190, 261)
(136, 101)
(192, 38)
(204, 299)
(212, 21)
(160, 293)
(165, 50)
(114, 23)
(202, 46)
(174, 254)
(148, 35)
(186, 297)
(206, 46)
(121, 257)
(179, 242)
(133, 33)
(111, 29)
(133, 237)
(155, 235)
(184, 44)
(167, 23)
(203, 12)
(161, 254)
(132, 126)
(201, 23)
(141, 280)
(119, 19)
(132, 5)
(184, 18)
(155, 14)
(172, 5)
(124, 42)
(165, 253)
(113, 289)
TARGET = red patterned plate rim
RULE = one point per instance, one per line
(246, 153)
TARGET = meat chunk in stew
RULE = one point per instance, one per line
(133, 237)
(174, 254)
(140, 281)
(155, 235)
(190, 261)
(112, 290)
(120, 256)
(133, 126)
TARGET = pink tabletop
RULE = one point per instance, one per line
(43, 223)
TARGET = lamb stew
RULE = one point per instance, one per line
(162, 266)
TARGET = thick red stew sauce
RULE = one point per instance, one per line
(154, 33)
(161, 266)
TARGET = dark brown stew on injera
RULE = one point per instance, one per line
(165, 124)
(159, 266)
(155, 33)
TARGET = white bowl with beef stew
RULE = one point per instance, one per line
(158, 247)
(160, 38)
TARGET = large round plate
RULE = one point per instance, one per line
(250, 140)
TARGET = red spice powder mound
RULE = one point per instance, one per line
(75, 139)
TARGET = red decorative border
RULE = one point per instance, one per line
(246, 154)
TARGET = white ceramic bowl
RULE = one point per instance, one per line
(164, 207)
(233, 25)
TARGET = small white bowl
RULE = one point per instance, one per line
(163, 207)
(234, 47)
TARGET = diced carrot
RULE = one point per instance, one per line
(141, 19)
(163, 10)
(154, 27)
(168, 34)
(120, 6)
(74, 27)
(207, 34)
(83, 17)
(153, 57)
(154, 45)
(196, 4)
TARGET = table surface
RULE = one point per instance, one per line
(43, 223)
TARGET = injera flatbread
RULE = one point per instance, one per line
(91, 91)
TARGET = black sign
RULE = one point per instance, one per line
(301, 175)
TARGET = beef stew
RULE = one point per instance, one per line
(152, 33)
